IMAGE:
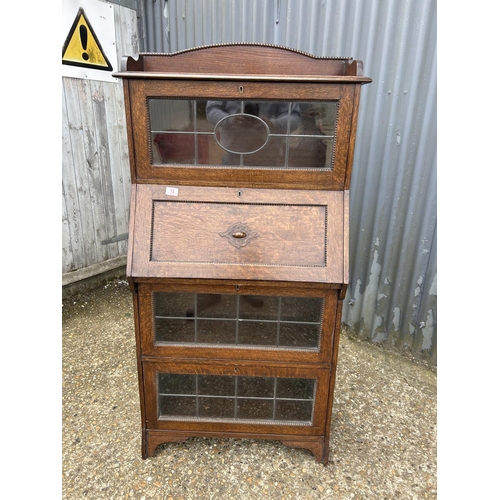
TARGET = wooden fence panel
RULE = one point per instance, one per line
(95, 170)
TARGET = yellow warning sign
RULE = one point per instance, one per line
(82, 47)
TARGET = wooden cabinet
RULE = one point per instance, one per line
(238, 247)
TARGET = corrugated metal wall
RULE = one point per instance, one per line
(392, 295)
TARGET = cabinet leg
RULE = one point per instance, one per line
(151, 440)
(325, 453)
(144, 445)
(319, 448)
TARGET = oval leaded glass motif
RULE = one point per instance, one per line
(241, 133)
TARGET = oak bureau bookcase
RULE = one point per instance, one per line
(241, 160)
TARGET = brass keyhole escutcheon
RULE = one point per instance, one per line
(239, 234)
(241, 89)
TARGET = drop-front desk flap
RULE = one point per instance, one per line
(230, 233)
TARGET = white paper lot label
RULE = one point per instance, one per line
(171, 191)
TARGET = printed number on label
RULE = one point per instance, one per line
(170, 191)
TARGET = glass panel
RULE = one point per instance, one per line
(294, 410)
(259, 307)
(317, 118)
(310, 152)
(171, 115)
(256, 387)
(272, 155)
(255, 409)
(217, 306)
(174, 304)
(173, 383)
(257, 333)
(299, 335)
(215, 396)
(174, 330)
(259, 134)
(216, 385)
(202, 122)
(167, 308)
(216, 407)
(206, 145)
(213, 154)
(226, 319)
(295, 388)
(174, 149)
(177, 406)
(216, 332)
(306, 309)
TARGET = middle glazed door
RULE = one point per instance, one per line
(243, 322)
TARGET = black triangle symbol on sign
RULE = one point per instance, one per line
(82, 47)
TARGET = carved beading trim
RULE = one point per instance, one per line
(156, 200)
(247, 44)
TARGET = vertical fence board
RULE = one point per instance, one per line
(82, 215)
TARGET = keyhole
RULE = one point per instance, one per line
(83, 39)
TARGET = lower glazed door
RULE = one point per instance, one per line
(204, 397)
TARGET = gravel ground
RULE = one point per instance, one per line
(382, 443)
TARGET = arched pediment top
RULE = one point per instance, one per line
(243, 60)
